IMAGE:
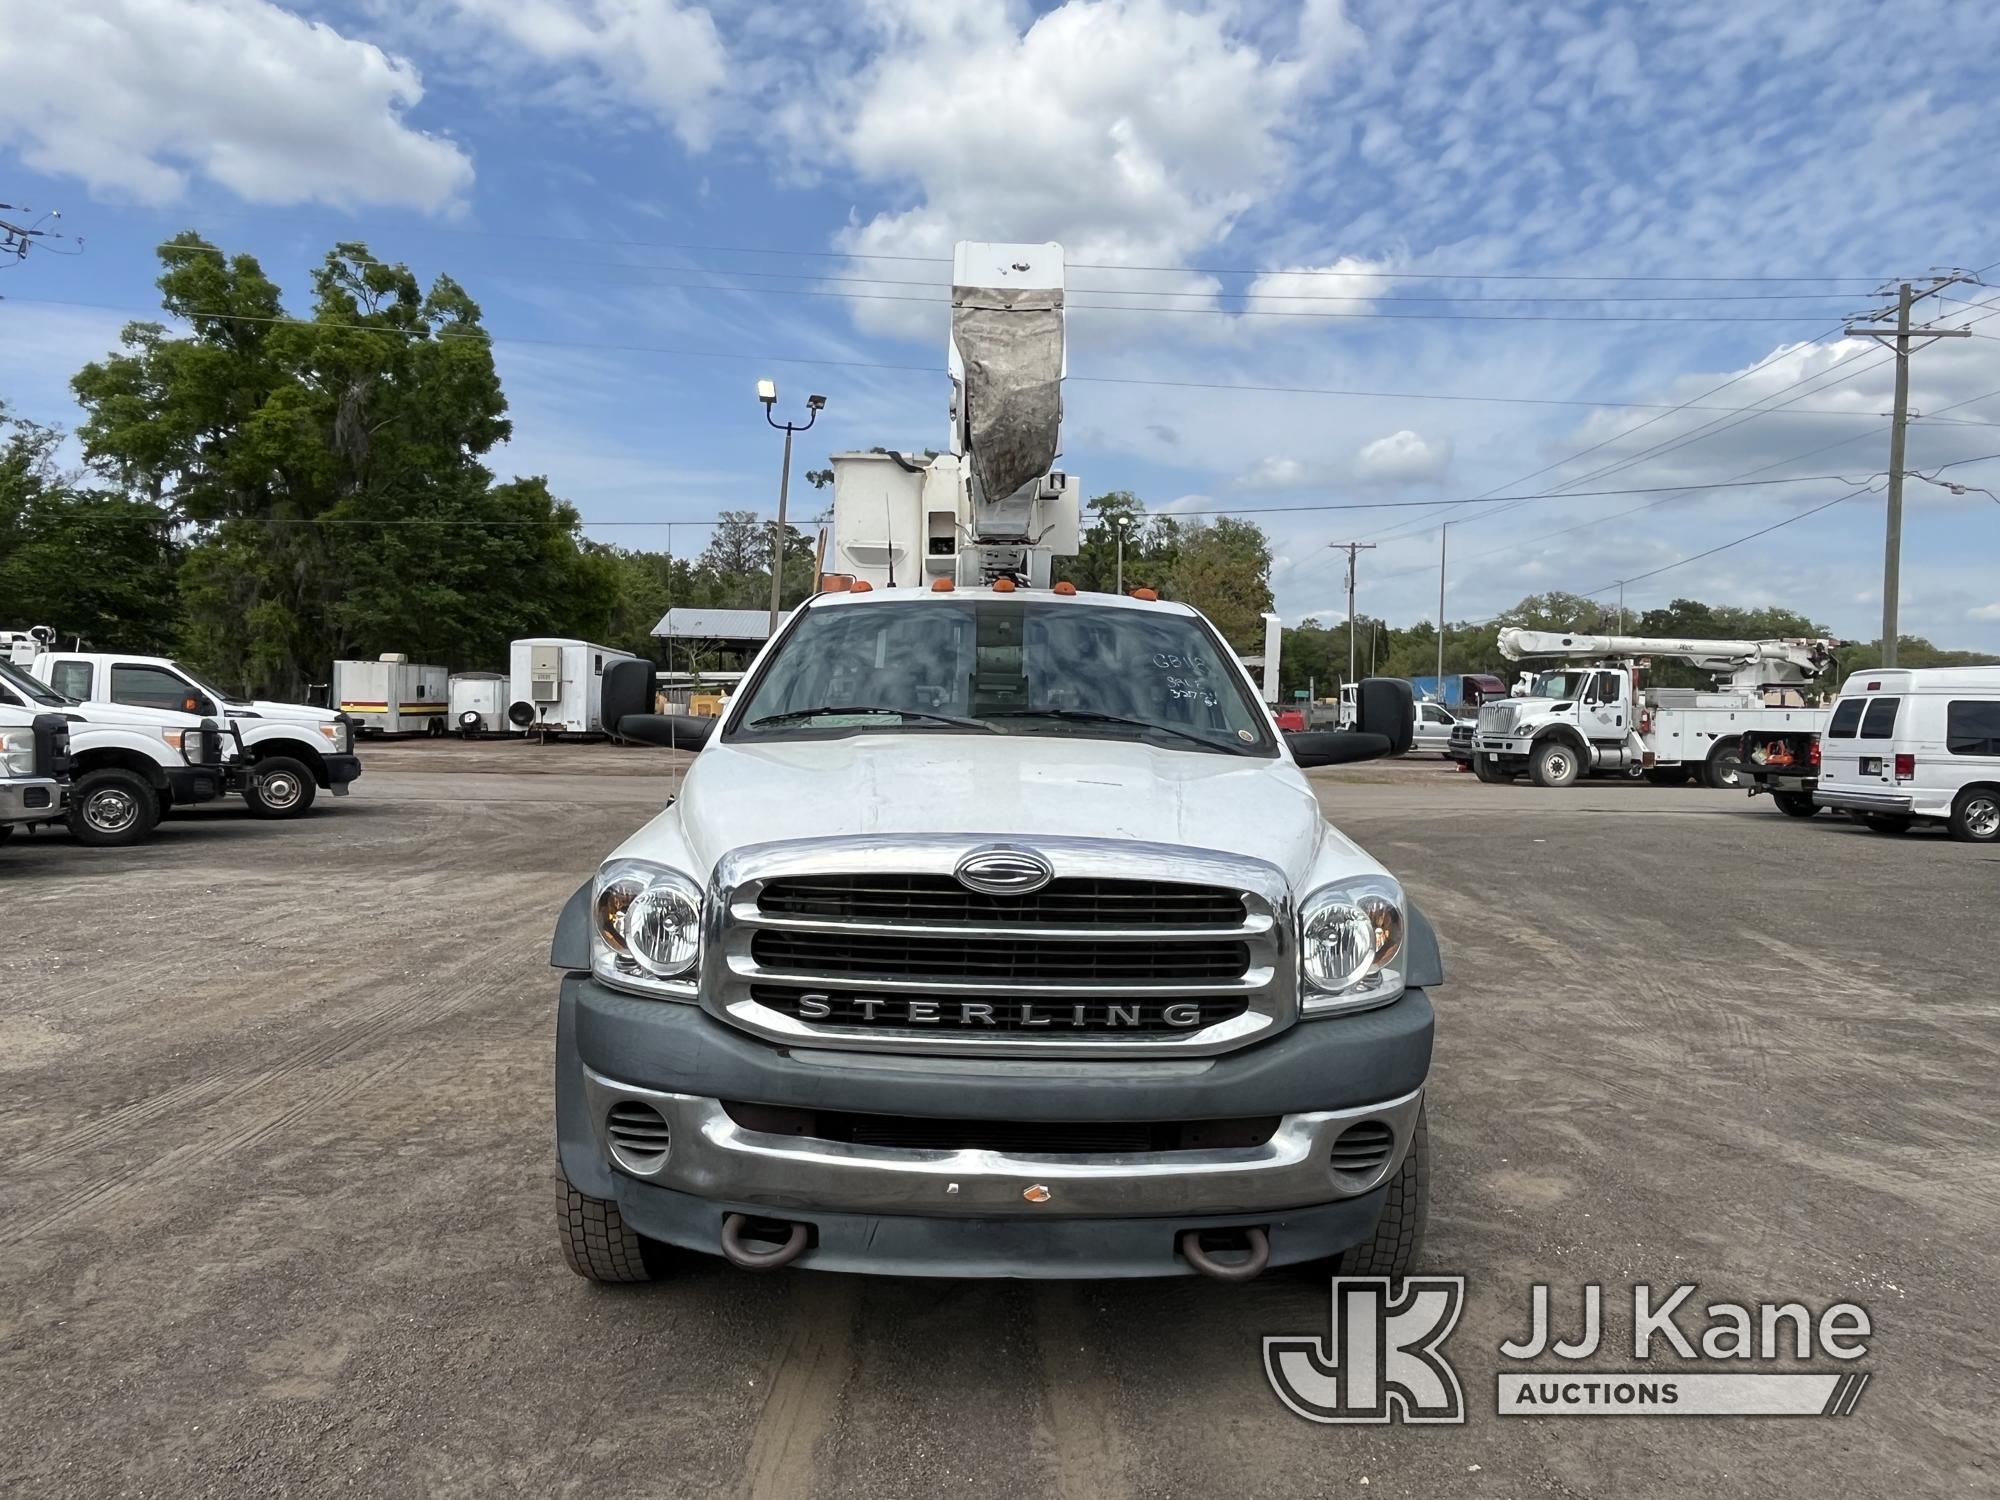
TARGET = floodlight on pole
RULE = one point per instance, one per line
(767, 392)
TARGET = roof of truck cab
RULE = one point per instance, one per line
(1082, 598)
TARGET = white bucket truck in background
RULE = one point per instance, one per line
(1594, 714)
(279, 754)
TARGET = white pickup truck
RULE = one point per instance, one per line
(284, 753)
(128, 766)
(996, 932)
(34, 764)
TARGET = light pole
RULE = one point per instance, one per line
(767, 392)
(1119, 526)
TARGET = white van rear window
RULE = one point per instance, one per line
(1846, 718)
(1973, 728)
(1880, 723)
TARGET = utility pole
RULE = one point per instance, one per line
(1120, 524)
(1892, 538)
(1352, 549)
(1621, 606)
(1444, 536)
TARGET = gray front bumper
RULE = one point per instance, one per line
(29, 798)
(894, 1210)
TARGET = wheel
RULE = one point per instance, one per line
(280, 787)
(1795, 804)
(6, 832)
(1399, 1233)
(112, 807)
(597, 1243)
(1555, 764)
(1975, 816)
(1670, 776)
(1724, 770)
(1886, 822)
(1484, 768)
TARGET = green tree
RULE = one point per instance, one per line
(329, 470)
(90, 564)
(1223, 569)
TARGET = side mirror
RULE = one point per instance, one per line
(1386, 706)
(674, 731)
(1336, 747)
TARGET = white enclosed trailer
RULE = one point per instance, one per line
(556, 686)
(392, 695)
(479, 703)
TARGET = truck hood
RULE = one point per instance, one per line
(128, 716)
(1012, 786)
(284, 713)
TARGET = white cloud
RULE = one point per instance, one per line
(1347, 284)
(1984, 612)
(1133, 131)
(137, 97)
(660, 56)
(1403, 458)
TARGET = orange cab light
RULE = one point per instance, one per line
(942, 585)
(1065, 589)
(835, 583)
(1145, 593)
(1003, 585)
(862, 586)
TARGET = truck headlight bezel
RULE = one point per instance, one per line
(1352, 934)
(645, 929)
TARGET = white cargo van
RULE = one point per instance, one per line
(1908, 744)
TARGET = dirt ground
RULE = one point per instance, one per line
(276, 1217)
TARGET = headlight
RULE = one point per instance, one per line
(646, 928)
(1350, 937)
(173, 737)
(17, 752)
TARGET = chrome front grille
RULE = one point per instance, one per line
(1133, 948)
(922, 955)
(938, 899)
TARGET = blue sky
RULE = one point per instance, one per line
(1263, 161)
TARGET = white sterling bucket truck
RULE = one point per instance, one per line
(1593, 713)
(995, 931)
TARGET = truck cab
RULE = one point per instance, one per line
(127, 766)
(284, 752)
(996, 932)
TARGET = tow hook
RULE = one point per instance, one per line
(736, 1246)
(1253, 1242)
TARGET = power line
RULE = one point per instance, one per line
(487, 336)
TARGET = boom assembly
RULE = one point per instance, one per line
(1595, 714)
(994, 506)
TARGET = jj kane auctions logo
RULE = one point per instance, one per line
(1382, 1358)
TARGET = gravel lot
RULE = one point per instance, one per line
(277, 1213)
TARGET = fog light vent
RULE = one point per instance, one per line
(1363, 1149)
(638, 1135)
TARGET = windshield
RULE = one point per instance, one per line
(31, 689)
(1005, 665)
(207, 687)
(1559, 684)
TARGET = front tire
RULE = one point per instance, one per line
(1398, 1240)
(1795, 804)
(597, 1243)
(1975, 816)
(280, 787)
(1555, 764)
(111, 808)
(1487, 769)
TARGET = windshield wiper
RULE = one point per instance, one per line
(828, 711)
(1093, 716)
